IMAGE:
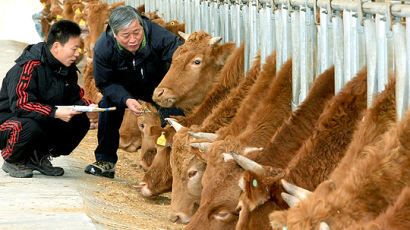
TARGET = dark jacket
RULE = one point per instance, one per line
(120, 75)
(36, 84)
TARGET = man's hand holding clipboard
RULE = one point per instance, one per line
(66, 112)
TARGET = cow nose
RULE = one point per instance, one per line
(159, 92)
(180, 218)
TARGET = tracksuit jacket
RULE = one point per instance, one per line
(29, 94)
(36, 84)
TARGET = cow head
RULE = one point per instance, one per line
(308, 214)
(187, 171)
(158, 178)
(148, 123)
(193, 69)
(220, 193)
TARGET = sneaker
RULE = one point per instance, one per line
(19, 170)
(44, 166)
(101, 168)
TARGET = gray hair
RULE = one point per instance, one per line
(122, 17)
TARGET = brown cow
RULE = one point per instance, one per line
(396, 217)
(345, 108)
(289, 138)
(186, 168)
(348, 176)
(312, 162)
(148, 147)
(68, 13)
(227, 78)
(216, 210)
(193, 68)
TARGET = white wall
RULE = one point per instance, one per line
(16, 21)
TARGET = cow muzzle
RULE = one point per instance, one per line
(179, 217)
(143, 188)
(164, 97)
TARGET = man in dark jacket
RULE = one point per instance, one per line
(130, 59)
(32, 127)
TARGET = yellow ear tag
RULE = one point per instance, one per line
(162, 140)
(77, 11)
(201, 151)
(80, 50)
(59, 17)
(44, 4)
(82, 22)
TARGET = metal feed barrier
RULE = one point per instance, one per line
(315, 33)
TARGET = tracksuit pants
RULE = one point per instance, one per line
(20, 137)
(109, 124)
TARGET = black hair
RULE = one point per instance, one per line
(62, 31)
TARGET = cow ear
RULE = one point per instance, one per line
(155, 131)
(222, 52)
(201, 155)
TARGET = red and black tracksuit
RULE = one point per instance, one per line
(28, 97)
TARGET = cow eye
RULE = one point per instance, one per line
(142, 125)
(192, 173)
(197, 62)
(224, 216)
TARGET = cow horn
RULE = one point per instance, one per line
(213, 41)
(183, 35)
(227, 157)
(202, 135)
(251, 149)
(246, 163)
(292, 201)
(294, 190)
(324, 226)
(174, 123)
(204, 146)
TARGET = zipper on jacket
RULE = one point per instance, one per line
(142, 72)
(133, 64)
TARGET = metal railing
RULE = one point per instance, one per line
(317, 34)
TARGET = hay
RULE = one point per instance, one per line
(114, 203)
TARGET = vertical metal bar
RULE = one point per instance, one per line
(204, 16)
(371, 52)
(338, 55)
(400, 66)
(325, 41)
(265, 32)
(235, 17)
(381, 52)
(303, 53)
(227, 22)
(347, 43)
(246, 34)
(198, 19)
(221, 17)
(287, 46)
(295, 58)
(253, 32)
(406, 101)
(279, 38)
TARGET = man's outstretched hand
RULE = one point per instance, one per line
(134, 106)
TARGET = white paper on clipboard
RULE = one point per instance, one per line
(84, 108)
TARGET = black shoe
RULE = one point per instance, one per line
(19, 170)
(101, 168)
(44, 166)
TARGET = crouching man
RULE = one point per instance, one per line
(32, 128)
